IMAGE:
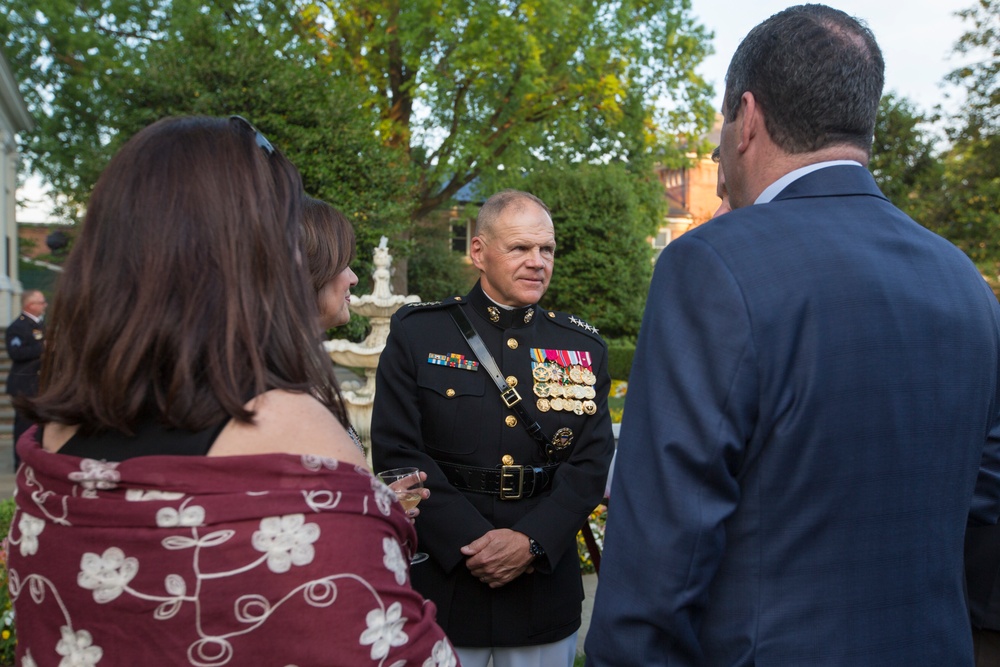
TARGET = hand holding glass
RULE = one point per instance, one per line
(408, 485)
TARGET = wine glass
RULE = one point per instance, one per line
(407, 485)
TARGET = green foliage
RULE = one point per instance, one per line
(435, 270)
(59, 54)
(603, 217)
(95, 75)
(458, 87)
(8, 635)
(981, 77)
(387, 107)
(620, 354)
(356, 329)
(972, 165)
(904, 162)
(503, 83)
(37, 277)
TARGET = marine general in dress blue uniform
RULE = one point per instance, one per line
(812, 413)
(507, 501)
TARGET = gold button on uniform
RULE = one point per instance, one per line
(511, 381)
(449, 393)
(507, 460)
(511, 421)
(512, 343)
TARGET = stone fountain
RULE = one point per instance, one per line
(378, 307)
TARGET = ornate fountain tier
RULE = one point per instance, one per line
(378, 307)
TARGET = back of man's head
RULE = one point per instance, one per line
(816, 72)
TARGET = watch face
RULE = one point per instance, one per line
(534, 548)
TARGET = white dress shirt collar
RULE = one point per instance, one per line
(771, 191)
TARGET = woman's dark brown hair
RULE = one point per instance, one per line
(185, 294)
(328, 239)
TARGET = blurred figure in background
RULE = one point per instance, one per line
(25, 343)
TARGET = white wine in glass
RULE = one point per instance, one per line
(407, 485)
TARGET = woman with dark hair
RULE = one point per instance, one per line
(328, 239)
(192, 495)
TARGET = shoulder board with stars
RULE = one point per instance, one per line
(424, 306)
(573, 322)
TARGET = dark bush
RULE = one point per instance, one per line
(620, 354)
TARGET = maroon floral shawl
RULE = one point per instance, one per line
(270, 559)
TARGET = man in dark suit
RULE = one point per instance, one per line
(514, 469)
(812, 411)
(25, 343)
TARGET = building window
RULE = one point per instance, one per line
(460, 237)
(663, 236)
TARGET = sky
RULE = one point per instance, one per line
(916, 37)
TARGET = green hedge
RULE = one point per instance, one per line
(8, 637)
(620, 353)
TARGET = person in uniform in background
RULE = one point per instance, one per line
(515, 439)
(25, 344)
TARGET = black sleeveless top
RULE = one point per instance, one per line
(151, 439)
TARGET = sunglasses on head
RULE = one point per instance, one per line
(260, 138)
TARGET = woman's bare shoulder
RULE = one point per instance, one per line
(289, 423)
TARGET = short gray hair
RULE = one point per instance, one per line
(495, 206)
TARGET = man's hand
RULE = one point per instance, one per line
(499, 557)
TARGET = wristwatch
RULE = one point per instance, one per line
(535, 548)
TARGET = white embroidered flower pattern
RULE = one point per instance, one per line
(27, 660)
(151, 494)
(31, 527)
(442, 655)
(107, 575)
(168, 517)
(76, 649)
(287, 540)
(95, 475)
(393, 559)
(383, 496)
(385, 630)
(317, 463)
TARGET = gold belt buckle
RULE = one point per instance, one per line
(514, 474)
(510, 397)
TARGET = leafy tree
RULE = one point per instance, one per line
(465, 86)
(904, 161)
(387, 106)
(460, 86)
(981, 77)
(66, 59)
(603, 217)
(972, 166)
(434, 270)
(221, 64)
(113, 67)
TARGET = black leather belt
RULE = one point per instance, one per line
(505, 482)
